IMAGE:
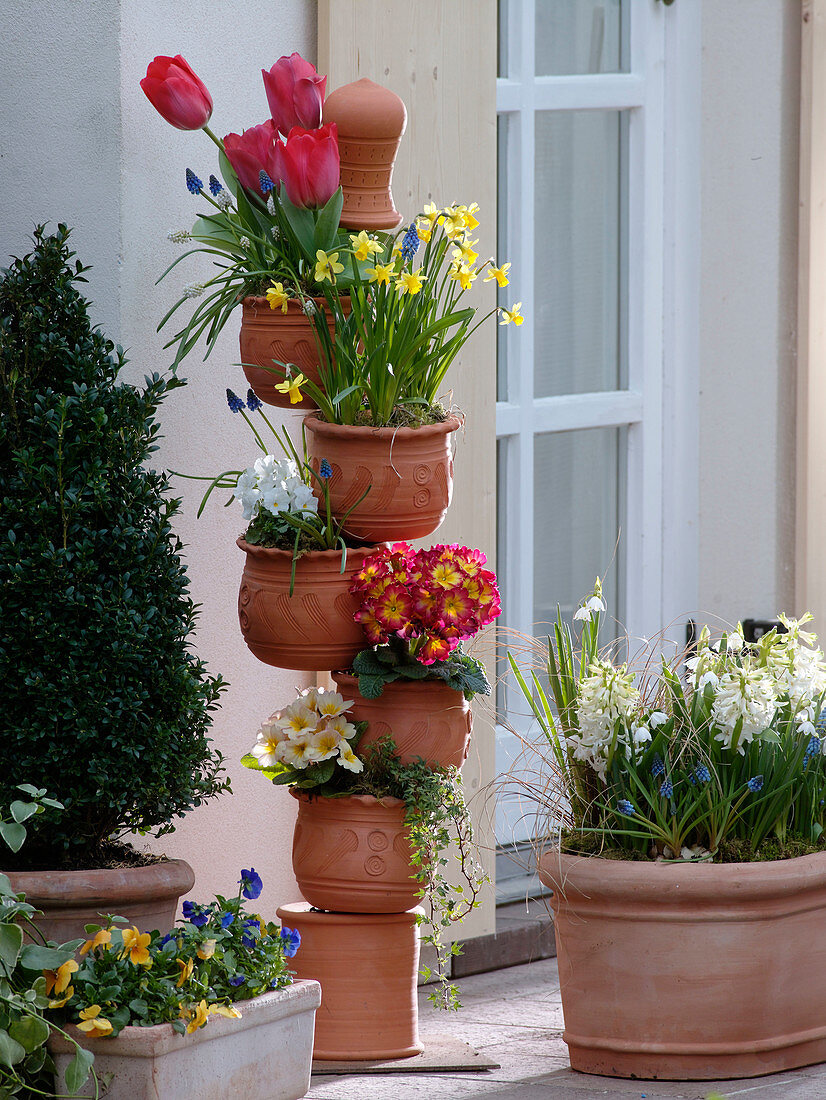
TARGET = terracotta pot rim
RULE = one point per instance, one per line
(367, 800)
(120, 884)
(683, 882)
(312, 556)
(260, 301)
(402, 683)
(368, 431)
(325, 916)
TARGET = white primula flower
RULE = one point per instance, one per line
(330, 704)
(298, 752)
(266, 748)
(298, 720)
(746, 695)
(325, 742)
(348, 759)
(606, 695)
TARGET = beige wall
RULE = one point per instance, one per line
(749, 172)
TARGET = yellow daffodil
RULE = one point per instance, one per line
(410, 282)
(58, 980)
(381, 273)
(363, 246)
(463, 275)
(467, 213)
(103, 937)
(207, 949)
(95, 1025)
(137, 944)
(500, 274)
(292, 387)
(432, 213)
(465, 253)
(514, 315)
(327, 266)
(424, 230)
(225, 1010)
(277, 296)
(453, 223)
(186, 971)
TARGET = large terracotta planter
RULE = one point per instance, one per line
(351, 855)
(266, 1055)
(690, 971)
(146, 896)
(409, 472)
(426, 719)
(370, 120)
(313, 629)
(290, 337)
(367, 964)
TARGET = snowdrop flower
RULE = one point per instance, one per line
(657, 718)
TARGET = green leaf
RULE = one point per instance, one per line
(302, 223)
(328, 219)
(11, 942)
(35, 957)
(13, 834)
(371, 687)
(22, 811)
(77, 1071)
(31, 1032)
(11, 1052)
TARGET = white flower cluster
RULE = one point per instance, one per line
(746, 697)
(275, 485)
(309, 730)
(606, 695)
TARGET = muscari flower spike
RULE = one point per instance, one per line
(215, 186)
(325, 470)
(701, 774)
(625, 807)
(667, 788)
(264, 182)
(657, 767)
(193, 184)
(410, 243)
(755, 784)
(235, 403)
(254, 402)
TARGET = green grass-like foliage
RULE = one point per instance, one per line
(104, 702)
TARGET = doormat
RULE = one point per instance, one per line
(441, 1054)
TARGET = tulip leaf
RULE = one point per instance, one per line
(302, 224)
(228, 173)
(329, 216)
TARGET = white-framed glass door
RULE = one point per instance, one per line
(580, 102)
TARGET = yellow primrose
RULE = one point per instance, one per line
(514, 315)
(292, 386)
(327, 266)
(103, 937)
(500, 274)
(137, 944)
(277, 296)
(465, 253)
(380, 273)
(186, 969)
(95, 1025)
(58, 980)
(207, 949)
(363, 246)
(410, 282)
(225, 1010)
(462, 274)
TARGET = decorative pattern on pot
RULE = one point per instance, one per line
(312, 630)
(690, 971)
(368, 1018)
(426, 719)
(268, 334)
(351, 855)
(370, 120)
(409, 472)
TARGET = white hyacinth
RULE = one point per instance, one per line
(224, 199)
(194, 290)
(179, 236)
(744, 695)
(606, 694)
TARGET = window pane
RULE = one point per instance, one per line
(579, 36)
(504, 19)
(579, 480)
(579, 220)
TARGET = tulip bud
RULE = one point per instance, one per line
(177, 93)
(295, 93)
(310, 167)
(252, 152)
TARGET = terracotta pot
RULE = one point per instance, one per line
(351, 855)
(146, 896)
(367, 965)
(266, 1055)
(371, 120)
(312, 630)
(690, 971)
(409, 472)
(290, 337)
(426, 718)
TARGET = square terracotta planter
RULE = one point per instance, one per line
(266, 1055)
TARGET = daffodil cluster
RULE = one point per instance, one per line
(727, 747)
(313, 730)
(218, 955)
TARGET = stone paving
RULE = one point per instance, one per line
(514, 1017)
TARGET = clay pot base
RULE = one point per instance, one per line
(368, 967)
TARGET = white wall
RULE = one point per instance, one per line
(82, 144)
(749, 171)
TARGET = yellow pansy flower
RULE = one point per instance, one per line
(410, 282)
(186, 969)
(277, 296)
(59, 1002)
(381, 273)
(327, 266)
(103, 936)
(194, 1019)
(95, 1025)
(58, 980)
(513, 314)
(292, 386)
(363, 246)
(500, 274)
(463, 275)
(137, 944)
(206, 950)
(225, 1010)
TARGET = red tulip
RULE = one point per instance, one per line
(176, 92)
(295, 93)
(252, 151)
(310, 165)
